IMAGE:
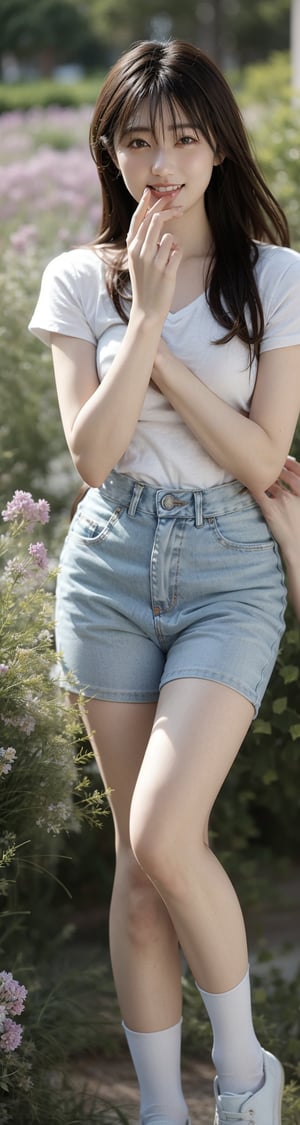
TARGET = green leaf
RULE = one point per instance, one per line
(295, 731)
(289, 673)
(261, 726)
(259, 995)
(279, 705)
(269, 776)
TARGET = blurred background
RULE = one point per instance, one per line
(56, 841)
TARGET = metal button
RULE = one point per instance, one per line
(168, 501)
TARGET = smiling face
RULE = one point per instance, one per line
(175, 160)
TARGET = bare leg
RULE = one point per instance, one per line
(198, 729)
(144, 945)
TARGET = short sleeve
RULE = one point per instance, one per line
(68, 294)
(281, 302)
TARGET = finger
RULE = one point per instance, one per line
(152, 232)
(291, 480)
(143, 214)
(139, 214)
(174, 259)
(292, 465)
(265, 499)
(271, 494)
(164, 247)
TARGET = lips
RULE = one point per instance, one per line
(165, 189)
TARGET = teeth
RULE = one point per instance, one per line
(170, 187)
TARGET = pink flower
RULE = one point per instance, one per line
(7, 757)
(39, 555)
(27, 724)
(11, 1036)
(24, 722)
(12, 994)
(23, 237)
(23, 506)
(14, 568)
(43, 511)
(3, 669)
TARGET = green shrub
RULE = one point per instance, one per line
(47, 92)
(45, 791)
(263, 85)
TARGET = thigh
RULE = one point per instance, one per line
(105, 632)
(197, 732)
(119, 733)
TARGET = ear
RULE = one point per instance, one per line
(109, 148)
(114, 158)
(219, 157)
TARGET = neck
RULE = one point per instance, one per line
(193, 234)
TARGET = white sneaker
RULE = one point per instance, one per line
(261, 1108)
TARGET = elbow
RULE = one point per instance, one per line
(94, 466)
(270, 470)
(261, 476)
(91, 475)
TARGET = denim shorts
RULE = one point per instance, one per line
(161, 584)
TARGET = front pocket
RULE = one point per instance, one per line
(243, 530)
(89, 530)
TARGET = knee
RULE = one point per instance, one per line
(158, 855)
(144, 906)
(168, 853)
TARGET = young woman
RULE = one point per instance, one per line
(176, 351)
(281, 508)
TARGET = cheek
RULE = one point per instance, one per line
(202, 171)
(132, 172)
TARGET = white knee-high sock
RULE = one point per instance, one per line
(156, 1059)
(236, 1054)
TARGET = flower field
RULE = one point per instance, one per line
(49, 202)
(49, 192)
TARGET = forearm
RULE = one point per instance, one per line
(293, 582)
(106, 422)
(289, 542)
(235, 442)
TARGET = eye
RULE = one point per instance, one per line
(138, 142)
(186, 139)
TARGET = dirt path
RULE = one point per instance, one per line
(114, 1079)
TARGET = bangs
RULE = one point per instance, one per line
(147, 103)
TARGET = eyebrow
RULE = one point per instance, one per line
(170, 128)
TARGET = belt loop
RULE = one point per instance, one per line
(198, 509)
(135, 497)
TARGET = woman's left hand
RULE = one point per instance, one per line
(280, 506)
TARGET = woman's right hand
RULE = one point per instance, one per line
(153, 258)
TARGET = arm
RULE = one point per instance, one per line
(281, 509)
(99, 419)
(252, 448)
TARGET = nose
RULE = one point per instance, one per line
(162, 161)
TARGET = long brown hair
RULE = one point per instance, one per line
(240, 207)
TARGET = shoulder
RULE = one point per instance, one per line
(80, 266)
(73, 296)
(278, 280)
(273, 265)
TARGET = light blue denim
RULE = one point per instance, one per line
(160, 584)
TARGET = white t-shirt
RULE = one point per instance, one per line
(74, 301)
